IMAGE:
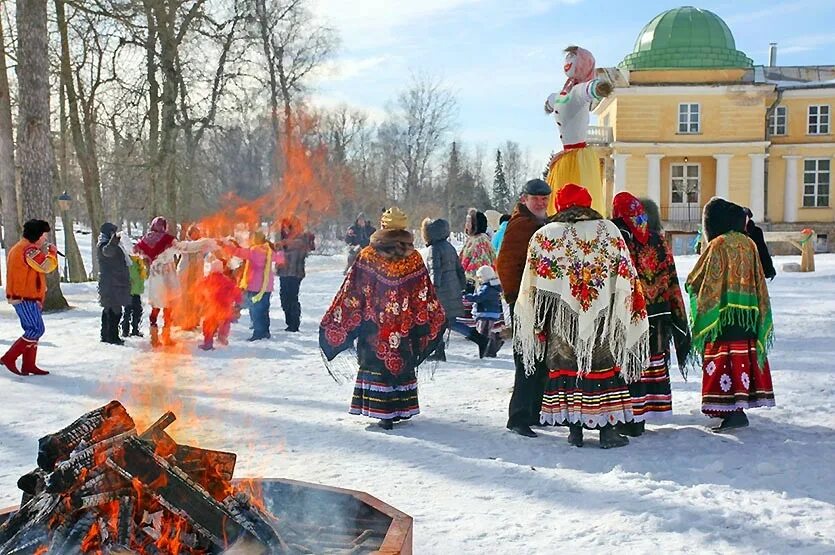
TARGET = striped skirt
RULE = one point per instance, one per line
(652, 398)
(378, 395)
(732, 378)
(598, 399)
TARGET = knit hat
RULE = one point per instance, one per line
(572, 195)
(485, 274)
(629, 209)
(394, 218)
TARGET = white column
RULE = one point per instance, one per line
(620, 171)
(654, 177)
(756, 202)
(723, 173)
(790, 191)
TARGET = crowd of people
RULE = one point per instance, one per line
(595, 305)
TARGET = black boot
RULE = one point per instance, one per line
(126, 323)
(610, 438)
(439, 354)
(736, 419)
(575, 435)
(105, 325)
(114, 329)
(482, 341)
(386, 424)
(522, 430)
(631, 429)
(494, 345)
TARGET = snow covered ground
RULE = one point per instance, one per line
(472, 486)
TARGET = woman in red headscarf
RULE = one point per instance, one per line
(581, 311)
(652, 397)
(577, 162)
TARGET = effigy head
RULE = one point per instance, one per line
(579, 64)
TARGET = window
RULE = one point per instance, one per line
(819, 119)
(688, 118)
(816, 179)
(684, 187)
(777, 121)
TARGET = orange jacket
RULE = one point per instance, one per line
(26, 269)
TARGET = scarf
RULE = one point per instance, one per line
(727, 287)
(628, 208)
(155, 241)
(656, 270)
(477, 252)
(389, 304)
(583, 64)
(265, 280)
(579, 283)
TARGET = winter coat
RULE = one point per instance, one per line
(756, 234)
(359, 236)
(296, 250)
(114, 274)
(444, 267)
(514, 253)
(255, 261)
(499, 236)
(488, 301)
(26, 269)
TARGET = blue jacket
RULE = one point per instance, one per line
(498, 237)
(488, 302)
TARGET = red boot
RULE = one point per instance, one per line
(10, 358)
(30, 353)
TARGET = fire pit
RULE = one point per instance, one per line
(102, 488)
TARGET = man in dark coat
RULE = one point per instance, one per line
(528, 216)
(296, 244)
(114, 282)
(753, 231)
(358, 237)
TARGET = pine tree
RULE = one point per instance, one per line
(501, 194)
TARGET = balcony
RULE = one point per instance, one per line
(682, 213)
(599, 135)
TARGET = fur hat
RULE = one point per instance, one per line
(572, 195)
(394, 218)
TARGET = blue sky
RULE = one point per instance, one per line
(501, 58)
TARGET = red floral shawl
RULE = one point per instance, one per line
(388, 305)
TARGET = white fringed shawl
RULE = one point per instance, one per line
(579, 283)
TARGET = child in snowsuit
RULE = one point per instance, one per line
(220, 294)
(487, 307)
(133, 312)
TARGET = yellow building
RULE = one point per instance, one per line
(692, 118)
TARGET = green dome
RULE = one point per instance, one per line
(686, 37)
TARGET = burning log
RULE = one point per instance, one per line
(68, 473)
(31, 484)
(96, 425)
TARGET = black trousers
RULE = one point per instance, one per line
(110, 324)
(526, 400)
(133, 315)
(289, 294)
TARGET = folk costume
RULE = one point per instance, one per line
(731, 318)
(27, 264)
(577, 162)
(581, 310)
(652, 395)
(387, 311)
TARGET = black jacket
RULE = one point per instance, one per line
(756, 234)
(444, 267)
(114, 275)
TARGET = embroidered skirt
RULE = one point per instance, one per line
(599, 399)
(732, 379)
(378, 395)
(652, 398)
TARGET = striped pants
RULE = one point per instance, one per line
(31, 319)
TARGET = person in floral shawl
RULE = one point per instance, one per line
(652, 397)
(581, 310)
(478, 247)
(388, 312)
(730, 315)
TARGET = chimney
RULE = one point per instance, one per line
(772, 54)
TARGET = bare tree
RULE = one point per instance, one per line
(516, 167)
(8, 191)
(34, 150)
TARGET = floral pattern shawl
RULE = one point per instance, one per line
(579, 283)
(388, 306)
(727, 287)
(477, 252)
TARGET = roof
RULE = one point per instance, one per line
(686, 37)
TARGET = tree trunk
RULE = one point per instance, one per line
(167, 156)
(34, 149)
(263, 26)
(84, 148)
(153, 108)
(8, 191)
(74, 264)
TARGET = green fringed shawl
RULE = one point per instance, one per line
(727, 287)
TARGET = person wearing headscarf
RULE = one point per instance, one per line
(730, 316)
(753, 231)
(27, 263)
(652, 397)
(160, 250)
(114, 281)
(476, 252)
(577, 162)
(581, 311)
(190, 270)
(388, 313)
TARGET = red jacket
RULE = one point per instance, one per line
(219, 295)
